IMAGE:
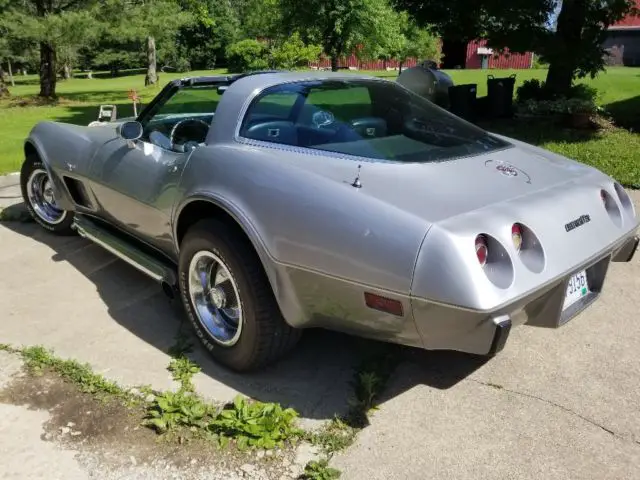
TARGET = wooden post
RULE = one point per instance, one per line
(13, 83)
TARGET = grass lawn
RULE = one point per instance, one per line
(616, 151)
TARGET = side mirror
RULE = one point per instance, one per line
(130, 130)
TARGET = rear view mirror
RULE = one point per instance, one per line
(130, 130)
(222, 89)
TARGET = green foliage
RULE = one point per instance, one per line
(535, 89)
(247, 423)
(371, 378)
(559, 106)
(293, 53)
(334, 436)
(247, 55)
(342, 26)
(260, 18)
(202, 42)
(320, 470)
(182, 370)
(255, 424)
(171, 410)
(38, 359)
(575, 48)
(532, 89)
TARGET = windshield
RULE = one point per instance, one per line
(367, 118)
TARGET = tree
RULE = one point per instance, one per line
(213, 27)
(340, 26)
(573, 49)
(156, 20)
(4, 53)
(52, 25)
(260, 18)
(145, 22)
(412, 42)
(457, 22)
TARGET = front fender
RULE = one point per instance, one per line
(66, 149)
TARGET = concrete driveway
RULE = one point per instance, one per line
(554, 404)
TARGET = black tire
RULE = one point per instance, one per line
(265, 336)
(63, 227)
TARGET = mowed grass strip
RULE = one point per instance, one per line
(614, 151)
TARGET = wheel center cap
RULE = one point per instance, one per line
(47, 194)
(218, 297)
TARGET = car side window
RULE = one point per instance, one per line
(183, 121)
(272, 116)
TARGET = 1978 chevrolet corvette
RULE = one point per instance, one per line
(275, 201)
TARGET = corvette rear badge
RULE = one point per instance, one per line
(578, 222)
(509, 170)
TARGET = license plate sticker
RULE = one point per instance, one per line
(577, 288)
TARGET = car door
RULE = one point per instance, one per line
(135, 182)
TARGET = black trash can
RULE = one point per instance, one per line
(462, 100)
(500, 96)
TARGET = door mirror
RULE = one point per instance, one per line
(130, 130)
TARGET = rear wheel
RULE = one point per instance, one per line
(38, 195)
(229, 300)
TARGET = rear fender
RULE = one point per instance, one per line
(277, 275)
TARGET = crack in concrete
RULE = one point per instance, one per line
(557, 405)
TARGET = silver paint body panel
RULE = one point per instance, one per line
(407, 234)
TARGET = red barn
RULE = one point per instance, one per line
(623, 41)
(479, 56)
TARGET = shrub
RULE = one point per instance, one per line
(293, 53)
(182, 65)
(583, 91)
(534, 89)
(247, 55)
(530, 90)
(560, 106)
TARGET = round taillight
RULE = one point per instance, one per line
(603, 196)
(482, 251)
(516, 235)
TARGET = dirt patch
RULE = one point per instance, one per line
(109, 437)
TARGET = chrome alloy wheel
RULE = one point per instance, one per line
(214, 295)
(42, 199)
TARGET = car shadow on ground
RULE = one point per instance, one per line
(315, 378)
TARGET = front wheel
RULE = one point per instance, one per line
(229, 300)
(38, 195)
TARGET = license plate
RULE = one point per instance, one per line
(576, 289)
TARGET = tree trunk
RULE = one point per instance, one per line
(47, 71)
(400, 63)
(567, 40)
(4, 90)
(13, 83)
(66, 71)
(152, 76)
(334, 63)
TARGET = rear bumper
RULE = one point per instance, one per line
(447, 327)
(627, 251)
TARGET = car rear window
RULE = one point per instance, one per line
(368, 118)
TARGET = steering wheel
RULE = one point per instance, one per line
(188, 131)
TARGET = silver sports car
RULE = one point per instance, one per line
(276, 201)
